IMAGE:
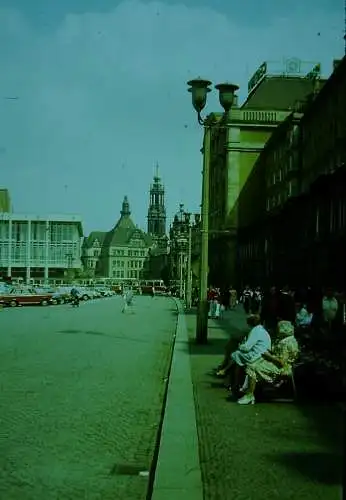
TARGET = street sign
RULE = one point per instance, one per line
(314, 73)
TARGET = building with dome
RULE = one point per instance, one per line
(121, 253)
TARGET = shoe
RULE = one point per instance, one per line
(246, 400)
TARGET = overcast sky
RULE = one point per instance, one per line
(101, 88)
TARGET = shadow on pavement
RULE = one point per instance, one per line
(322, 467)
(329, 422)
(213, 347)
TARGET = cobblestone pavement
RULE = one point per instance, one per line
(81, 391)
(266, 451)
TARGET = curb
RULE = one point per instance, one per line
(178, 472)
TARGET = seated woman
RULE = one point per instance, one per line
(257, 342)
(234, 344)
(272, 366)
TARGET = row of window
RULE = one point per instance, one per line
(279, 174)
(130, 253)
(56, 231)
(130, 264)
(290, 189)
(325, 221)
(129, 274)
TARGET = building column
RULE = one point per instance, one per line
(46, 253)
(28, 252)
(9, 265)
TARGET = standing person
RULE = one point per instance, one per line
(152, 293)
(330, 308)
(256, 300)
(270, 309)
(233, 297)
(287, 306)
(226, 298)
(217, 303)
(247, 298)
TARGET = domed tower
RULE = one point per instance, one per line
(157, 209)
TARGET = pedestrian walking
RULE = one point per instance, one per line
(152, 292)
(127, 300)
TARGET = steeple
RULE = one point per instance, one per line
(125, 211)
(157, 175)
(157, 210)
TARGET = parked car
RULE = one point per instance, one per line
(25, 296)
(61, 296)
(104, 292)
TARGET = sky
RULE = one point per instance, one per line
(101, 92)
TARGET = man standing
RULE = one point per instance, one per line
(247, 299)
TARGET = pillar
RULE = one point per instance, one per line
(28, 252)
(9, 265)
(46, 253)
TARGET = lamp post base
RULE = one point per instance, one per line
(202, 322)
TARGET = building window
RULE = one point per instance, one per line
(341, 214)
(317, 226)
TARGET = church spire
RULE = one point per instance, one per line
(157, 209)
(125, 210)
(157, 174)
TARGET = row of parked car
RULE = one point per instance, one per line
(12, 296)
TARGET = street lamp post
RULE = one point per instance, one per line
(189, 273)
(199, 89)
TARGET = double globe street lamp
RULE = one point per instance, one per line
(199, 89)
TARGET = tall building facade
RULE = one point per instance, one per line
(5, 201)
(296, 234)
(39, 247)
(235, 146)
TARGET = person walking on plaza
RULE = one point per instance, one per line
(152, 293)
(127, 300)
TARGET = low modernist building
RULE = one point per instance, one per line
(39, 247)
(295, 233)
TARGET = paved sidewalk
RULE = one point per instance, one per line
(269, 450)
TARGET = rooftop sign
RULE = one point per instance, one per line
(257, 77)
